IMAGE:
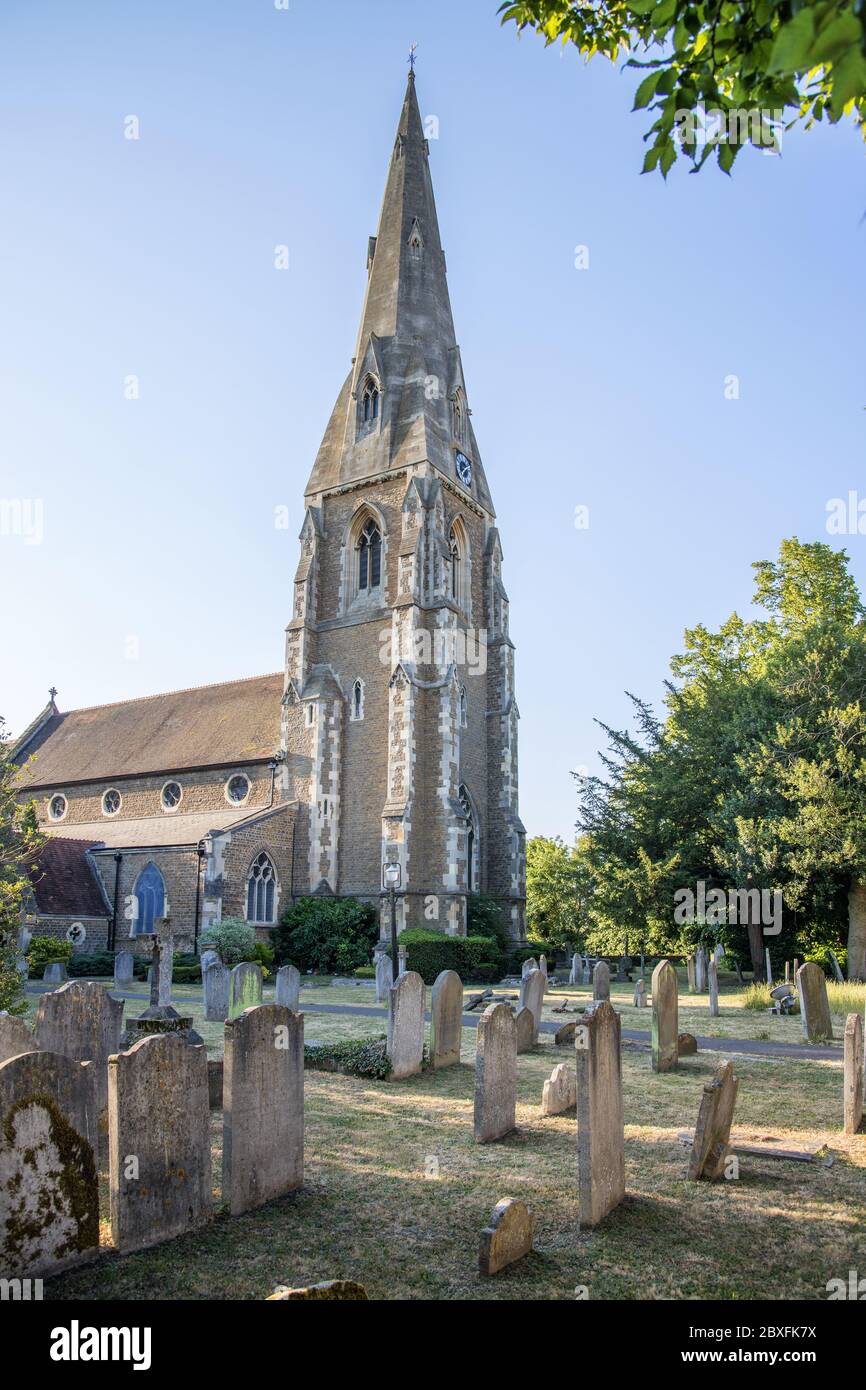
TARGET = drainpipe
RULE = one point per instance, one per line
(197, 898)
(118, 860)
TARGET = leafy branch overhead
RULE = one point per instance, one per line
(719, 74)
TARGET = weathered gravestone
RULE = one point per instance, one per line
(692, 972)
(713, 982)
(208, 958)
(263, 1106)
(640, 995)
(288, 991)
(687, 1045)
(159, 1141)
(49, 1194)
(124, 967)
(600, 1125)
(665, 1024)
(768, 965)
(853, 1073)
(507, 1238)
(531, 964)
(401, 960)
(216, 981)
(82, 1020)
(711, 1145)
(161, 1016)
(814, 1005)
(524, 1029)
(560, 1090)
(564, 1035)
(837, 969)
(601, 980)
(495, 1074)
(700, 970)
(574, 972)
(15, 1037)
(406, 1025)
(542, 965)
(532, 997)
(245, 987)
(55, 973)
(384, 977)
(446, 1019)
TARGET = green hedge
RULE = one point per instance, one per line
(96, 963)
(430, 952)
(366, 1057)
(332, 936)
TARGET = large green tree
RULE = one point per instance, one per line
(556, 889)
(718, 74)
(19, 844)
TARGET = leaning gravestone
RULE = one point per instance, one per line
(711, 1144)
(49, 1191)
(507, 1238)
(263, 1106)
(600, 1126)
(665, 1025)
(289, 987)
(601, 980)
(713, 982)
(405, 1044)
(245, 988)
(124, 967)
(15, 1037)
(216, 981)
(495, 1074)
(159, 1141)
(384, 977)
(560, 1090)
(532, 988)
(446, 1020)
(524, 1029)
(814, 1005)
(82, 1020)
(853, 1073)
(55, 973)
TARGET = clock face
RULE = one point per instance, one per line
(464, 468)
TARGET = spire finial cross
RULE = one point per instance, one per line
(413, 49)
(52, 692)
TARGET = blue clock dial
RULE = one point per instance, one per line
(464, 468)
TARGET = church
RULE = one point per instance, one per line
(390, 737)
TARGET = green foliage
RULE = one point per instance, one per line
(485, 917)
(327, 935)
(232, 939)
(365, 972)
(47, 950)
(430, 952)
(20, 842)
(367, 1057)
(750, 66)
(556, 889)
(96, 964)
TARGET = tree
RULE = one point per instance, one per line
(20, 841)
(555, 891)
(719, 74)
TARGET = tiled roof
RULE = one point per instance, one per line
(64, 882)
(235, 722)
(153, 830)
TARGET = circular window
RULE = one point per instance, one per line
(171, 795)
(111, 802)
(238, 788)
(57, 807)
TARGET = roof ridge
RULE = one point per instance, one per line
(161, 694)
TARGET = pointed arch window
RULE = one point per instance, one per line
(369, 552)
(356, 709)
(458, 416)
(471, 842)
(149, 895)
(370, 403)
(464, 710)
(261, 890)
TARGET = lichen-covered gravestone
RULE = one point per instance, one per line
(159, 1141)
(560, 1090)
(49, 1194)
(446, 1019)
(245, 990)
(263, 1106)
(853, 1074)
(216, 992)
(406, 1025)
(15, 1037)
(524, 1029)
(600, 1126)
(124, 967)
(384, 977)
(532, 988)
(814, 1005)
(711, 1144)
(507, 1238)
(495, 1074)
(666, 1019)
(82, 1020)
(288, 991)
(601, 980)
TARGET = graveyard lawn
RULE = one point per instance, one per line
(396, 1193)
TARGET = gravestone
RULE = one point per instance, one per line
(640, 994)
(665, 1024)
(208, 958)
(853, 1074)
(711, 1144)
(446, 1020)
(55, 973)
(161, 1016)
(713, 982)
(289, 987)
(524, 1029)
(700, 970)
(405, 1044)
(601, 980)
(158, 1140)
(531, 964)
(542, 965)
(532, 997)
(600, 1126)
(384, 977)
(574, 972)
(560, 1090)
(507, 1238)
(687, 1045)
(692, 972)
(245, 987)
(82, 1020)
(263, 1106)
(769, 966)
(124, 967)
(49, 1191)
(564, 1034)
(623, 970)
(401, 960)
(837, 969)
(216, 981)
(719, 954)
(586, 973)
(15, 1037)
(814, 1005)
(495, 1074)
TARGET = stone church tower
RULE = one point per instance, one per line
(399, 728)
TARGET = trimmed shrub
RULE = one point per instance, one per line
(97, 964)
(333, 936)
(365, 972)
(366, 1057)
(430, 952)
(47, 950)
(232, 939)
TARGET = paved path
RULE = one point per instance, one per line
(751, 1047)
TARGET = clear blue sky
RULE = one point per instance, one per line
(602, 387)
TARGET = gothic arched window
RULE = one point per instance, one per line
(469, 816)
(370, 403)
(455, 547)
(463, 708)
(458, 415)
(149, 894)
(261, 890)
(356, 710)
(369, 550)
